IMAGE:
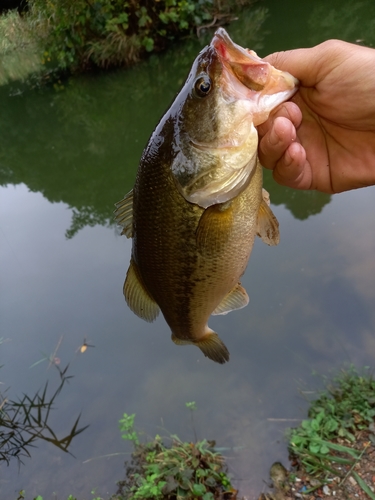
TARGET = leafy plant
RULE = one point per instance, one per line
(82, 34)
(39, 497)
(183, 470)
(347, 405)
(79, 34)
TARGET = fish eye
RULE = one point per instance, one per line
(202, 86)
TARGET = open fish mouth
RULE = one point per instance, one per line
(250, 69)
(248, 77)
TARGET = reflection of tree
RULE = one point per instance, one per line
(246, 31)
(25, 421)
(81, 145)
(302, 204)
(350, 21)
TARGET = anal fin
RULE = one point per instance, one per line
(237, 298)
(124, 214)
(137, 297)
(267, 225)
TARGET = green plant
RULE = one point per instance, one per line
(127, 426)
(39, 497)
(183, 470)
(85, 33)
(19, 55)
(347, 406)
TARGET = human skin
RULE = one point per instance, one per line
(324, 137)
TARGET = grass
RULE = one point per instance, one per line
(335, 443)
(177, 471)
(19, 54)
(181, 470)
(337, 434)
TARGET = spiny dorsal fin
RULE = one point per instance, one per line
(237, 298)
(137, 297)
(214, 228)
(124, 214)
(211, 345)
(267, 225)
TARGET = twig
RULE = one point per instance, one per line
(355, 463)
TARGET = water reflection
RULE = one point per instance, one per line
(350, 21)
(81, 145)
(26, 421)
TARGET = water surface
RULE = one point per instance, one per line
(66, 156)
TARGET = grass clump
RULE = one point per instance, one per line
(182, 470)
(336, 419)
(19, 51)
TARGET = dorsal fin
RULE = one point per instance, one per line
(124, 214)
(137, 297)
(237, 298)
(267, 225)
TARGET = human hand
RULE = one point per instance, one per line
(324, 138)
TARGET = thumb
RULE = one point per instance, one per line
(312, 65)
(301, 63)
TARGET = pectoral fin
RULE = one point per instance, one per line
(237, 298)
(268, 225)
(214, 228)
(124, 214)
(137, 297)
(266, 196)
(210, 344)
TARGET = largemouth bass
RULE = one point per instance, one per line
(198, 202)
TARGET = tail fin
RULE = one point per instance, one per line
(211, 345)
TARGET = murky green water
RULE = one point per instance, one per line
(65, 158)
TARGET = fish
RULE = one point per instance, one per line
(198, 202)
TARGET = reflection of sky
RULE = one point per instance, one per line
(311, 308)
